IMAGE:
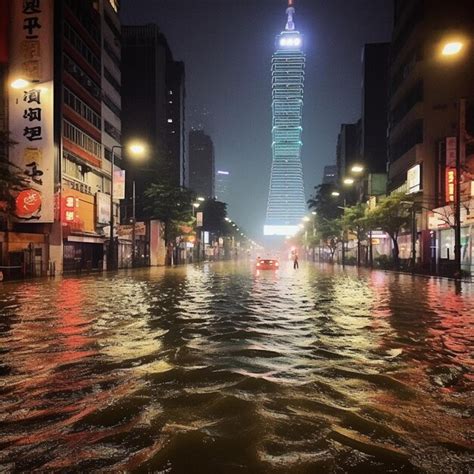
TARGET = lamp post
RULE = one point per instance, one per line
(136, 149)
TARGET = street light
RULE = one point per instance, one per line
(452, 48)
(201, 199)
(335, 194)
(20, 83)
(306, 219)
(135, 149)
(357, 169)
(348, 181)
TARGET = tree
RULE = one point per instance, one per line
(355, 221)
(391, 215)
(11, 179)
(214, 214)
(172, 205)
(322, 201)
(330, 232)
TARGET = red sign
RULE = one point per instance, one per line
(69, 209)
(27, 204)
(450, 184)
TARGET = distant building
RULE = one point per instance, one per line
(330, 174)
(348, 148)
(222, 185)
(201, 164)
(153, 105)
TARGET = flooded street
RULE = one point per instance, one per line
(218, 369)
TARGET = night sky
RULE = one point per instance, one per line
(227, 46)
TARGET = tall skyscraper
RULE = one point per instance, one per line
(222, 185)
(286, 200)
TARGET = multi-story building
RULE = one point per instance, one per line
(64, 112)
(286, 199)
(201, 164)
(222, 185)
(330, 174)
(153, 104)
(348, 148)
(374, 113)
(425, 91)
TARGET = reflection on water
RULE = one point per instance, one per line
(219, 369)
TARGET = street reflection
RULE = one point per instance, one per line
(204, 368)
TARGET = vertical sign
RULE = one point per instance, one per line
(450, 184)
(119, 184)
(31, 107)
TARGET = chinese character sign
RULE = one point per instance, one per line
(31, 107)
(119, 184)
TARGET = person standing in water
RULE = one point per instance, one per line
(295, 261)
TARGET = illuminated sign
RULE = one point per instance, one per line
(31, 107)
(102, 204)
(282, 230)
(414, 179)
(450, 184)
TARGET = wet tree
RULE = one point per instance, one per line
(330, 232)
(355, 221)
(172, 205)
(392, 215)
(214, 214)
(323, 202)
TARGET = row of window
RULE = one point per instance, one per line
(81, 139)
(112, 131)
(78, 44)
(109, 76)
(411, 98)
(81, 108)
(407, 141)
(113, 56)
(81, 10)
(111, 105)
(82, 77)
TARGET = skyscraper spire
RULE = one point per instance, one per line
(290, 11)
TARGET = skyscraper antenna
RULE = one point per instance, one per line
(290, 11)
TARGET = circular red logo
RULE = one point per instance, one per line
(27, 203)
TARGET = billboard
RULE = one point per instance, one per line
(119, 184)
(31, 107)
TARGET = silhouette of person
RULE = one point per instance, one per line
(295, 262)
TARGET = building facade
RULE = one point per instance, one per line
(286, 200)
(427, 119)
(222, 185)
(201, 164)
(153, 103)
(330, 174)
(64, 113)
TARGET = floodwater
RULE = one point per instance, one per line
(218, 369)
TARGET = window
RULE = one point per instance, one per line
(81, 139)
(79, 45)
(109, 76)
(112, 131)
(110, 51)
(81, 108)
(80, 76)
(81, 11)
(112, 105)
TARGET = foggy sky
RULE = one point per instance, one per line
(227, 46)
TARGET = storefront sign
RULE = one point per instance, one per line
(199, 219)
(414, 179)
(451, 144)
(450, 184)
(31, 106)
(102, 203)
(126, 231)
(119, 184)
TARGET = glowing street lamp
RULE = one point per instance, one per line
(20, 83)
(314, 213)
(357, 169)
(201, 199)
(306, 219)
(348, 181)
(335, 194)
(452, 48)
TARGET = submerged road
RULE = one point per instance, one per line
(218, 369)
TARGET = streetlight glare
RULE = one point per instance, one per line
(19, 83)
(335, 193)
(357, 169)
(306, 219)
(348, 181)
(200, 198)
(137, 149)
(452, 48)
(314, 213)
(196, 205)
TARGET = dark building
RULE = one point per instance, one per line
(425, 91)
(201, 164)
(348, 148)
(375, 86)
(153, 98)
(330, 175)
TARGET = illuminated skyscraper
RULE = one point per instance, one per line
(286, 200)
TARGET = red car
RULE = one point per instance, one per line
(267, 264)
